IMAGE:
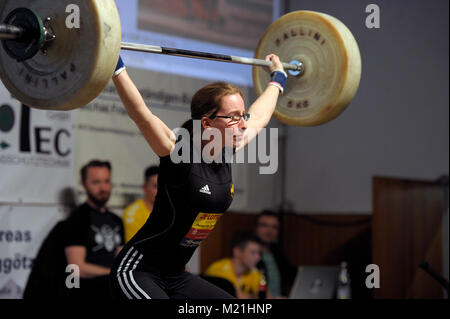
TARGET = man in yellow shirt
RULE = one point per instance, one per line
(241, 269)
(136, 214)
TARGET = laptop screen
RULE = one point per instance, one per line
(315, 282)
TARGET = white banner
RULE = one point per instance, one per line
(36, 152)
(22, 231)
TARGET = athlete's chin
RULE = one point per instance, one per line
(238, 141)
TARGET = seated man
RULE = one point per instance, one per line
(93, 235)
(240, 269)
(277, 269)
(136, 214)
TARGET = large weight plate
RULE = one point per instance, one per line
(80, 61)
(332, 63)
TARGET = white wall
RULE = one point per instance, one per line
(397, 124)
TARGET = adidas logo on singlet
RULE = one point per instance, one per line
(205, 190)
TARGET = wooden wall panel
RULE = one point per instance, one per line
(407, 228)
(326, 239)
(320, 239)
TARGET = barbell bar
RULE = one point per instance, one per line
(63, 68)
(8, 31)
(16, 33)
(298, 66)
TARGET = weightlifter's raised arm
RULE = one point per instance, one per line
(262, 109)
(160, 138)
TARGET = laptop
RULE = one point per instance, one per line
(315, 282)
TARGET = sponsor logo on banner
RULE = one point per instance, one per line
(6, 123)
(38, 144)
(35, 146)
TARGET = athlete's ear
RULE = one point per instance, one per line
(206, 122)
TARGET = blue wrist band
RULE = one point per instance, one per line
(278, 79)
(120, 66)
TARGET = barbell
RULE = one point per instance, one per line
(47, 65)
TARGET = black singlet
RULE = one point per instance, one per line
(191, 198)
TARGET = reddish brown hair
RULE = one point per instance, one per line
(208, 100)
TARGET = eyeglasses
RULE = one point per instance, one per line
(234, 118)
(265, 225)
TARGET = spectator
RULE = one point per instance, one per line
(135, 215)
(47, 277)
(240, 269)
(93, 235)
(277, 269)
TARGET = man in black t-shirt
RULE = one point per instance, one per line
(93, 234)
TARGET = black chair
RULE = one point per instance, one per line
(47, 277)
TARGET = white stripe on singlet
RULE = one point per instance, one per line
(134, 282)
(123, 274)
(118, 274)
